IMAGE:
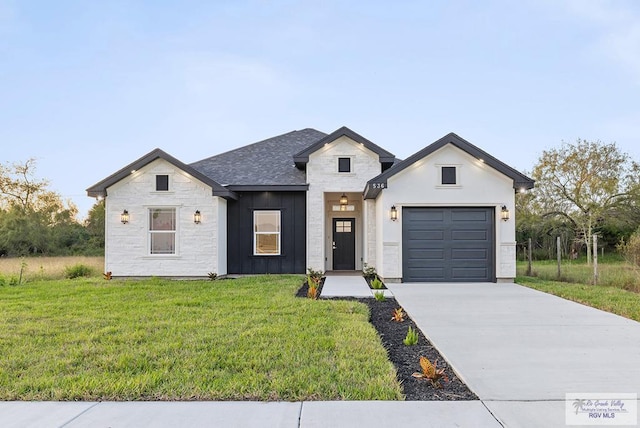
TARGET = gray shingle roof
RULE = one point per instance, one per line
(265, 163)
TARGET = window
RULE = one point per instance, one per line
(344, 164)
(162, 231)
(266, 231)
(162, 183)
(343, 226)
(449, 175)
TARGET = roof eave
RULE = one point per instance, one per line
(100, 189)
(302, 158)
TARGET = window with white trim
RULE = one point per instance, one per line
(162, 231)
(266, 233)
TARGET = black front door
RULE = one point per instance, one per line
(344, 244)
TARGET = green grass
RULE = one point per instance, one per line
(611, 272)
(611, 299)
(250, 338)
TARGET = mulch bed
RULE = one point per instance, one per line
(406, 358)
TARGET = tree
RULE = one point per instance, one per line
(582, 182)
(95, 227)
(34, 219)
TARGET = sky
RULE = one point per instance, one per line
(88, 87)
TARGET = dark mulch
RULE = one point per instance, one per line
(406, 358)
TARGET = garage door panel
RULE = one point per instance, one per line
(468, 274)
(419, 235)
(473, 254)
(417, 256)
(435, 273)
(468, 215)
(434, 214)
(448, 244)
(469, 235)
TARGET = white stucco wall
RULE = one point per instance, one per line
(323, 177)
(419, 185)
(200, 248)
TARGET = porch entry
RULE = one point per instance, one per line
(344, 244)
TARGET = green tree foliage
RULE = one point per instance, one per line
(94, 225)
(582, 186)
(35, 220)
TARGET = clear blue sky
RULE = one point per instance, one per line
(87, 87)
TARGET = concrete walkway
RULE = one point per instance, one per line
(521, 350)
(313, 414)
(336, 285)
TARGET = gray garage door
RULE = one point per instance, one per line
(448, 244)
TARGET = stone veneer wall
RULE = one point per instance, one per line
(323, 177)
(198, 246)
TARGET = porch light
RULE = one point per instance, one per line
(394, 213)
(343, 200)
(504, 213)
(197, 217)
(124, 217)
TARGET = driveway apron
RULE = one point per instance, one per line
(521, 350)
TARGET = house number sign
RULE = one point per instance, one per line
(379, 185)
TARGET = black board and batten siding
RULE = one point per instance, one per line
(292, 258)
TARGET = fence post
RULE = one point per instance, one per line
(595, 259)
(529, 258)
(559, 254)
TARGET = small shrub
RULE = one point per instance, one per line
(77, 271)
(3, 281)
(411, 338)
(376, 284)
(212, 276)
(312, 292)
(316, 274)
(398, 315)
(369, 271)
(313, 282)
(431, 372)
(379, 296)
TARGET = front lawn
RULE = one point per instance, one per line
(250, 338)
(611, 299)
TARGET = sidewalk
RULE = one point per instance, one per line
(310, 414)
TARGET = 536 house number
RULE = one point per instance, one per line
(379, 185)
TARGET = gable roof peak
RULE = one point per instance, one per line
(384, 156)
(519, 180)
(100, 189)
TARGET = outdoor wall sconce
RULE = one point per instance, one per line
(344, 200)
(394, 213)
(504, 213)
(124, 217)
(197, 217)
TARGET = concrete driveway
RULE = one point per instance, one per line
(521, 350)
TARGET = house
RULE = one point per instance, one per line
(306, 199)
